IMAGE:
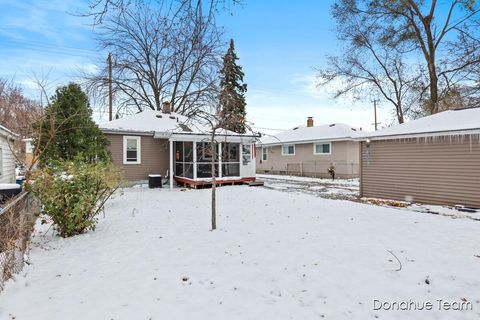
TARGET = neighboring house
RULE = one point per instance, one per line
(28, 151)
(432, 160)
(160, 142)
(310, 151)
(7, 158)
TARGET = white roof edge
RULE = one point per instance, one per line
(217, 134)
(420, 135)
(126, 131)
(9, 132)
(167, 134)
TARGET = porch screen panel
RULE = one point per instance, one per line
(204, 160)
(184, 159)
(231, 159)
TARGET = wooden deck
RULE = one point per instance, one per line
(206, 183)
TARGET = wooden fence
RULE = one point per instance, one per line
(17, 220)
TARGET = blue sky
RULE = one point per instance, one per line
(279, 44)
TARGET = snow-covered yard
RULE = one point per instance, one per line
(276, 255)
(346, 189)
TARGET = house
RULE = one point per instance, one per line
(28, 151)
(7, 158)
(310, 151)
(432, 160)
(162, 142)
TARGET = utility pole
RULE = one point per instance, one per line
(110, 94)
(376, 123)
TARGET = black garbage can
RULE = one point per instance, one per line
(154, 181)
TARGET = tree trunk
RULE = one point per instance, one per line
(400, 112)
(433, 89)
(214, 181)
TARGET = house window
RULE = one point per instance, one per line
(131, 150)
(288, 150)
(322, 148)
(264, 153)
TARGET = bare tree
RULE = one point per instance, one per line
(16, 111)
(446, 45)
(100, 9)
(166, 51)
(369, 67)
(217, 121)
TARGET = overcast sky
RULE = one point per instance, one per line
(279, 44)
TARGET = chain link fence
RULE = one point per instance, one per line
(17, 220)
(318, 169)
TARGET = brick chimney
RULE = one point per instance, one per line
(309, 122)
(166, 107)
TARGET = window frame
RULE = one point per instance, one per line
(265, 153)
(322, 153)
(139, 149)
(288, 145)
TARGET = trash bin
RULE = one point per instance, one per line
(154, 181)
(19, 180)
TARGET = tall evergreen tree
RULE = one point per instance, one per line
(232, 92)
(67, 131)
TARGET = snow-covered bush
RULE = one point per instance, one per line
(73, 193)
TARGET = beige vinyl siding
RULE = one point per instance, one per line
(154, 157)
(344, 156)
(7, 170)
(443, 171)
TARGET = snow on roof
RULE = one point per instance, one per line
(304, 134)
(150, 121)
(147, 121)
(446, 122)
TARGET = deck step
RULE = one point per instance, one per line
(256, 183)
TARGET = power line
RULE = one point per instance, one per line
(49, 48)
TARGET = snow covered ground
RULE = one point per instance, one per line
(346, 189)
(276, 255)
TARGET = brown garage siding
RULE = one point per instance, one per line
(441, 171)
(154, 157)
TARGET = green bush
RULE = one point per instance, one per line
(73, 193)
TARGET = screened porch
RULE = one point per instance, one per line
(193, 160)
